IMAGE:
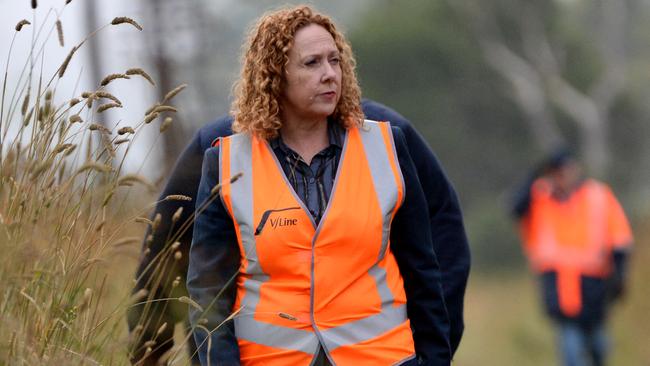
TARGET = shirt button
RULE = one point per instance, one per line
(311, 180)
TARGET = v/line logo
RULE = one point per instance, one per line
(283, 221)
(276, 222)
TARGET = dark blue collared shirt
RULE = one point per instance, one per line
(312, 182)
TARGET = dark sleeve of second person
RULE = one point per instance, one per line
(411, 244)
(183, 180)
(445, 217)
(214, 265)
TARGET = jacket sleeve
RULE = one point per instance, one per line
(447, 229)
(521, 196)
(620, 239)
(411, 244)
(213, 267)
(184, 180)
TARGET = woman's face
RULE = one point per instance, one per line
(313, 75)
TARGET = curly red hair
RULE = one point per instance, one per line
(257, 107)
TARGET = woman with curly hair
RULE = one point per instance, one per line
(317, 250)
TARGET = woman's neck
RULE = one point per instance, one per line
(305, 137)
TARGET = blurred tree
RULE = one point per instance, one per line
(535, 63)
(165, 18)
(493, 85)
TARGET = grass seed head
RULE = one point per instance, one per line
(192, 303)
(139, 71)
(21, 24)
(23, 108)
(28, 117)
(59, 31)
(135, 178)
(70, 150)
(177, 197)
(167, 122)
(65, 63)
(122, 20)
(108, 106)
(177, 214)
(161, 329)
(156, 222)
(75, 118)
(164, 108)
(61, 147)
(125, 130)
(150, 117)
(143, 220)
(112, 77)
(98, 127)
(73, 102)
(98, 167)
(141, 294)
(107, 95)
(173, 93)
(148, 111)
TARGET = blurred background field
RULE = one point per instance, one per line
(492, 85)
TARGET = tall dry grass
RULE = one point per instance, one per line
(70, 218)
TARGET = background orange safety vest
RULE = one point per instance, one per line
(335, 284)
(574, 237)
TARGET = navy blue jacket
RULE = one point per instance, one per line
(215, 259)
(445, 218)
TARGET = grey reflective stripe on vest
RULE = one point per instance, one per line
(246, 327)
(364, 329)
(387, 194)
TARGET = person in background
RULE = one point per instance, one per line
(167, 279)
(577, 239)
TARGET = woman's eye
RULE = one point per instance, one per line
(311, 62)
(335, 60)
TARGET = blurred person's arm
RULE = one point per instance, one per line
(445, 217)
(620, 238)
(521, 198)
(413, 250)
(183, 180)
(151, 275)
(213, 267)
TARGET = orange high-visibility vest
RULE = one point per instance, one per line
(574, 237)
(334, 284)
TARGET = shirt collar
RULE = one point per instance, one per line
(335, 133)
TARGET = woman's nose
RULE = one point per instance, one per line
(329, 73)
